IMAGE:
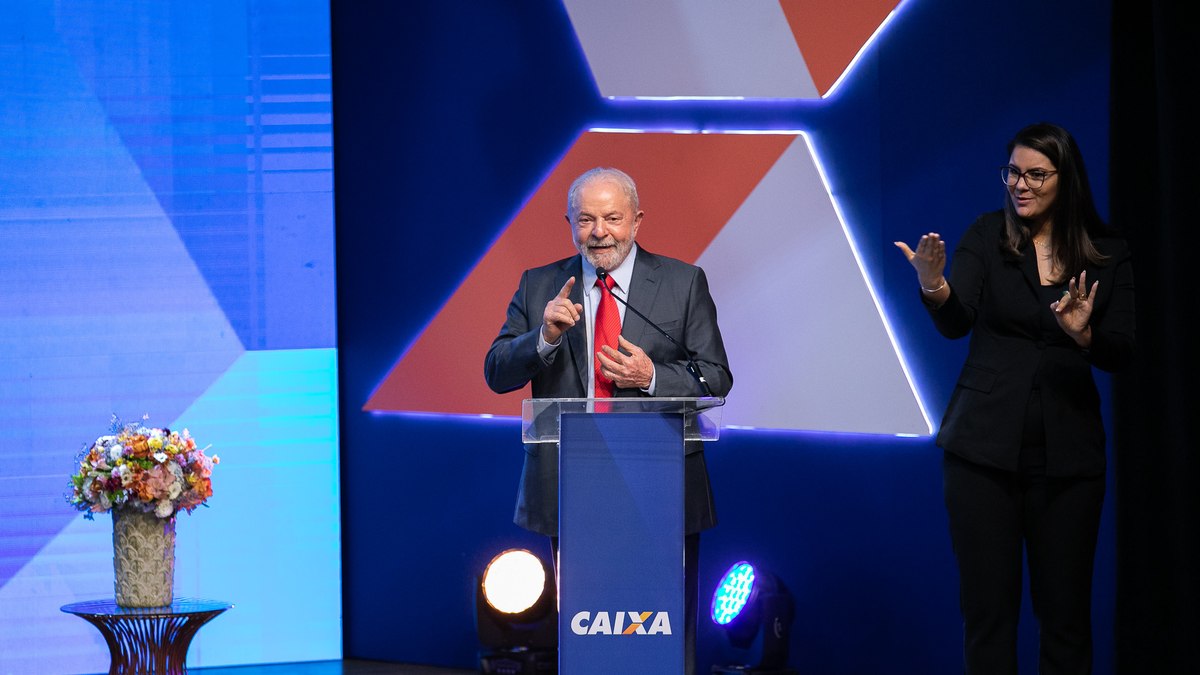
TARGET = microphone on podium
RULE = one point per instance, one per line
(691, 364)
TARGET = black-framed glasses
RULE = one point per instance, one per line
(1034, 178)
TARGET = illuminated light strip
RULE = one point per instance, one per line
(614, 130)
(862, 50)
(887, 325)
(683, 132)
(754, 132)
(680, 98)
(821, 432)
(730, 132)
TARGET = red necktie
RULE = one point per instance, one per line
(608, 327)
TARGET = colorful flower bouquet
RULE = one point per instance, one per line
(144, 469)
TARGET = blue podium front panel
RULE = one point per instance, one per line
(621, 543)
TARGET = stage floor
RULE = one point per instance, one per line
(347, 667)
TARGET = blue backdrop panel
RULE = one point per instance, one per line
(621, 543)
(853, 524)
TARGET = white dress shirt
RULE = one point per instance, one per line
(622, 276)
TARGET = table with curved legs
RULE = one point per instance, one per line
(148, 639)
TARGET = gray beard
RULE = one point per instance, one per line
(608, 260)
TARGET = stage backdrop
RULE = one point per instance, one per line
(166, 248)
(458, 125)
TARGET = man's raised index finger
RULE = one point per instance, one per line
(566, 289)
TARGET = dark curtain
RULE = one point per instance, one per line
(1155, 182)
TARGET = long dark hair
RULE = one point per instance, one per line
(1074, 214)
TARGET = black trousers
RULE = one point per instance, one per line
(994, 514)
(691, 595)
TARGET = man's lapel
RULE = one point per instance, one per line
(643, 290)
(576, 338)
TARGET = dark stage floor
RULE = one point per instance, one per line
(348, 667)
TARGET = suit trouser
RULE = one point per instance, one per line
(994, 514)
(691, 595)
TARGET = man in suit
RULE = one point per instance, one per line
(548, 340)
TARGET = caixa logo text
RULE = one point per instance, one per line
(621, 623)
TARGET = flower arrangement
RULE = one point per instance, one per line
(142, 468)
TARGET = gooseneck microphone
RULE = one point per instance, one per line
(691, 364)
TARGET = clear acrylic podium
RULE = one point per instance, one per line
(620, 526)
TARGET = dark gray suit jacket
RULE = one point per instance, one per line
(672, 294)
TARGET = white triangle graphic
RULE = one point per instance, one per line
(808, 344)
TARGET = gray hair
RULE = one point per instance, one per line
(600, 174)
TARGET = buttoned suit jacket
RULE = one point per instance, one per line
(994, 297)
(669, 292)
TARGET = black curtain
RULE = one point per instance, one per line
(1155, 182)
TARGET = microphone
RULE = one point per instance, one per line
(691, 364)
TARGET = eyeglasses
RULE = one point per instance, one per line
(1034, 178)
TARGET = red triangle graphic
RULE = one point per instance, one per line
(830, 32)
(689, 185)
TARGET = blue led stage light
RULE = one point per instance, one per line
(752, 605)
(732, 593)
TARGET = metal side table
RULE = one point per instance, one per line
(148, 639)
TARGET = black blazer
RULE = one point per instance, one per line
(671, 293)
(994, 297)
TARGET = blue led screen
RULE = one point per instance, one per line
(166, 249)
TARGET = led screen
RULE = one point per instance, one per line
(166, 249)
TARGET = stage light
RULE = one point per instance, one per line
(750, 603)
(515, 616)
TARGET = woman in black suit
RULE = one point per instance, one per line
(1046, 292)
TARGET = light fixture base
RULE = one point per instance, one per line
(518, 662)
(751, 670)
